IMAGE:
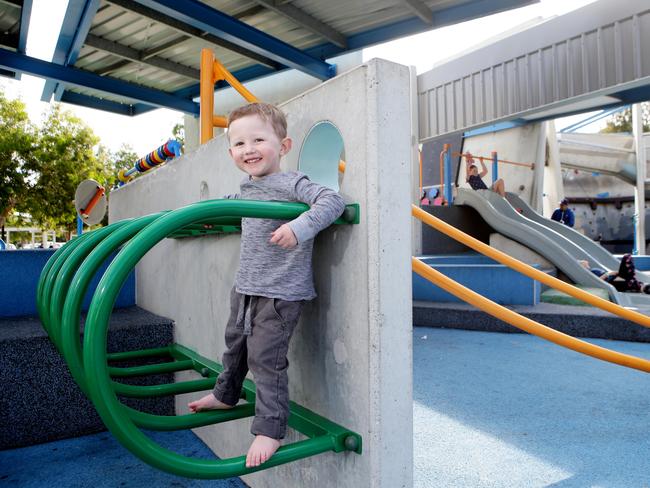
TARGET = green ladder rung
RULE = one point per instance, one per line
(300, 419)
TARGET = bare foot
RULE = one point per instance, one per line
(208, 402)
(261, 450)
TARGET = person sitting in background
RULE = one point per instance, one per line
(624, 279)
(424, 200)
(475, 179)
(563, 214)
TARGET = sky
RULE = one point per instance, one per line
(146, 132)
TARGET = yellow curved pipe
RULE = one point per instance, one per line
(526, 324)
(527, 270)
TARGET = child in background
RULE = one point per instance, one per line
(274, 277)
(475, 179)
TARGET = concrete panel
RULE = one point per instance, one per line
(520, 144)
(351, 355)
(519, 251)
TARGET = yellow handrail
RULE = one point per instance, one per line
(527, 270)
(526, 324)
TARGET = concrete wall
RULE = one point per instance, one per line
(525, 144)
(351, 355)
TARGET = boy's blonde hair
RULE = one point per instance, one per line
(267, 112)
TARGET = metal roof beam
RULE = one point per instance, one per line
(9, 39)
(12, 3)
(192, 31)
(97, 103)
(25, 16)
(76, 24)
(85, 79)
(141, 57)
(307, 21)
(204, 17)
(421, 10)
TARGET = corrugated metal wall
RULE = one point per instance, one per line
(558, 66)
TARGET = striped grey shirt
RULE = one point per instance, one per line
(269, 270)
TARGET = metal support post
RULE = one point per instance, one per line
(495, 167)
(639, 189)
(449, 194)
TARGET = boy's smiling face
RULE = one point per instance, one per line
(255, 147)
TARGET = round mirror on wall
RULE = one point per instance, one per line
(322, 155)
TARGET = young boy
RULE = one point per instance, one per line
(274, 276)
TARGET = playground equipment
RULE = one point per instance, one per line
(170, 150)
(561, 245)
(213, 71)
(90, 203)
(520, 321)
(61, 288)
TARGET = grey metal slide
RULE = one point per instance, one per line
(549, 242)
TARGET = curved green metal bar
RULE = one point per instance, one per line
(46, 282)
(113, 413)
(92, 259)
(59, 280)
(83, 274)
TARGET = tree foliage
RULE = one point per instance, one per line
(17, 144)
(65, 157)
(622, 121)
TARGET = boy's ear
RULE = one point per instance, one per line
(285, 145)
(230, 152)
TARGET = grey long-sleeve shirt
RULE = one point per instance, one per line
(267, 269)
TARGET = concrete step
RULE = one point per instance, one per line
(40, 401)
(570, 319)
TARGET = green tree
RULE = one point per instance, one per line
(622, 121)
(65, 157)
(17, 142)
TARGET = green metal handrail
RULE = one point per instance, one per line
(62, 286)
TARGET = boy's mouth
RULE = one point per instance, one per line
(252, 160)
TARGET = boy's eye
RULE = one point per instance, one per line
(259, 139)
(238, 143)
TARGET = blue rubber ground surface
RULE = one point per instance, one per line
(490, 410)
(98, 461)
(511, 410)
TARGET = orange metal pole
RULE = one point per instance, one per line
(207, 95)
(223, 74)
(220, 121)
(93, 201)
(526, 324)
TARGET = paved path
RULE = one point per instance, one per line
(511, 410)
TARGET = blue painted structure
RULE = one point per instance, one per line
(74, 76)
(495, 167)
(19, 274)
(482, 275)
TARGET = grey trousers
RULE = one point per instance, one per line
(263, 349)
